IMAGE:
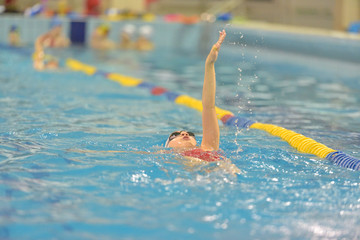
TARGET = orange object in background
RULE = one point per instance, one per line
(189, 19)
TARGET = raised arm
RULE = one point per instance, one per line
(39, 55)
(211, 132)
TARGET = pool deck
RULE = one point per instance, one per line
(266, 26)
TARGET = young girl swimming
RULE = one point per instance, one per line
(184, 142)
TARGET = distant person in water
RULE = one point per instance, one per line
(100, 38)
(54, 38)
(14, 36)
(184, 142)
(126, 41)
(143, 43)
(42, 61)
(51, 39)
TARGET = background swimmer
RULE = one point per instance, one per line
(126, 35)
(42, 61)
(54, 38)
(100, 38)
(14, 36)
(143, 42)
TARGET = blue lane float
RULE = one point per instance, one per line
(344, 160)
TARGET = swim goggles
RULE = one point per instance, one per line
(177, 133)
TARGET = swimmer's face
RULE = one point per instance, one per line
(125, 36)
(182, 139)
(56, 30)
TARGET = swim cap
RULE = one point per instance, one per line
(55, 22)
(14, 28)
(129, 29)
(103, 28)
(146, 31)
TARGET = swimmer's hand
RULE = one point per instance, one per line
(211, 58)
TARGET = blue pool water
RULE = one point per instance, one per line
(50, 190)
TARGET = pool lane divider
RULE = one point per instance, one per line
(300, 142)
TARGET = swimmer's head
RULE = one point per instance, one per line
(104, 29)
(55, 22)
(129, 29)
(14, 29)
(55, 27)
(145, 31)
(181, 139)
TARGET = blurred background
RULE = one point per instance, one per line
(324, 14)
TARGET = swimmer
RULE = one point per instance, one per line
(184, 142)
(42, 61)
(14, 36)
(54, 37)
(143, 42)
(99, 38)
(125, 37)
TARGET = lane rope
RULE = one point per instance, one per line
(300, 142)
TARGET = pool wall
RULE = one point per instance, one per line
(341, 46)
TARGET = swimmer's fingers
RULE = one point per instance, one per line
(222, 35)
(215, 49)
